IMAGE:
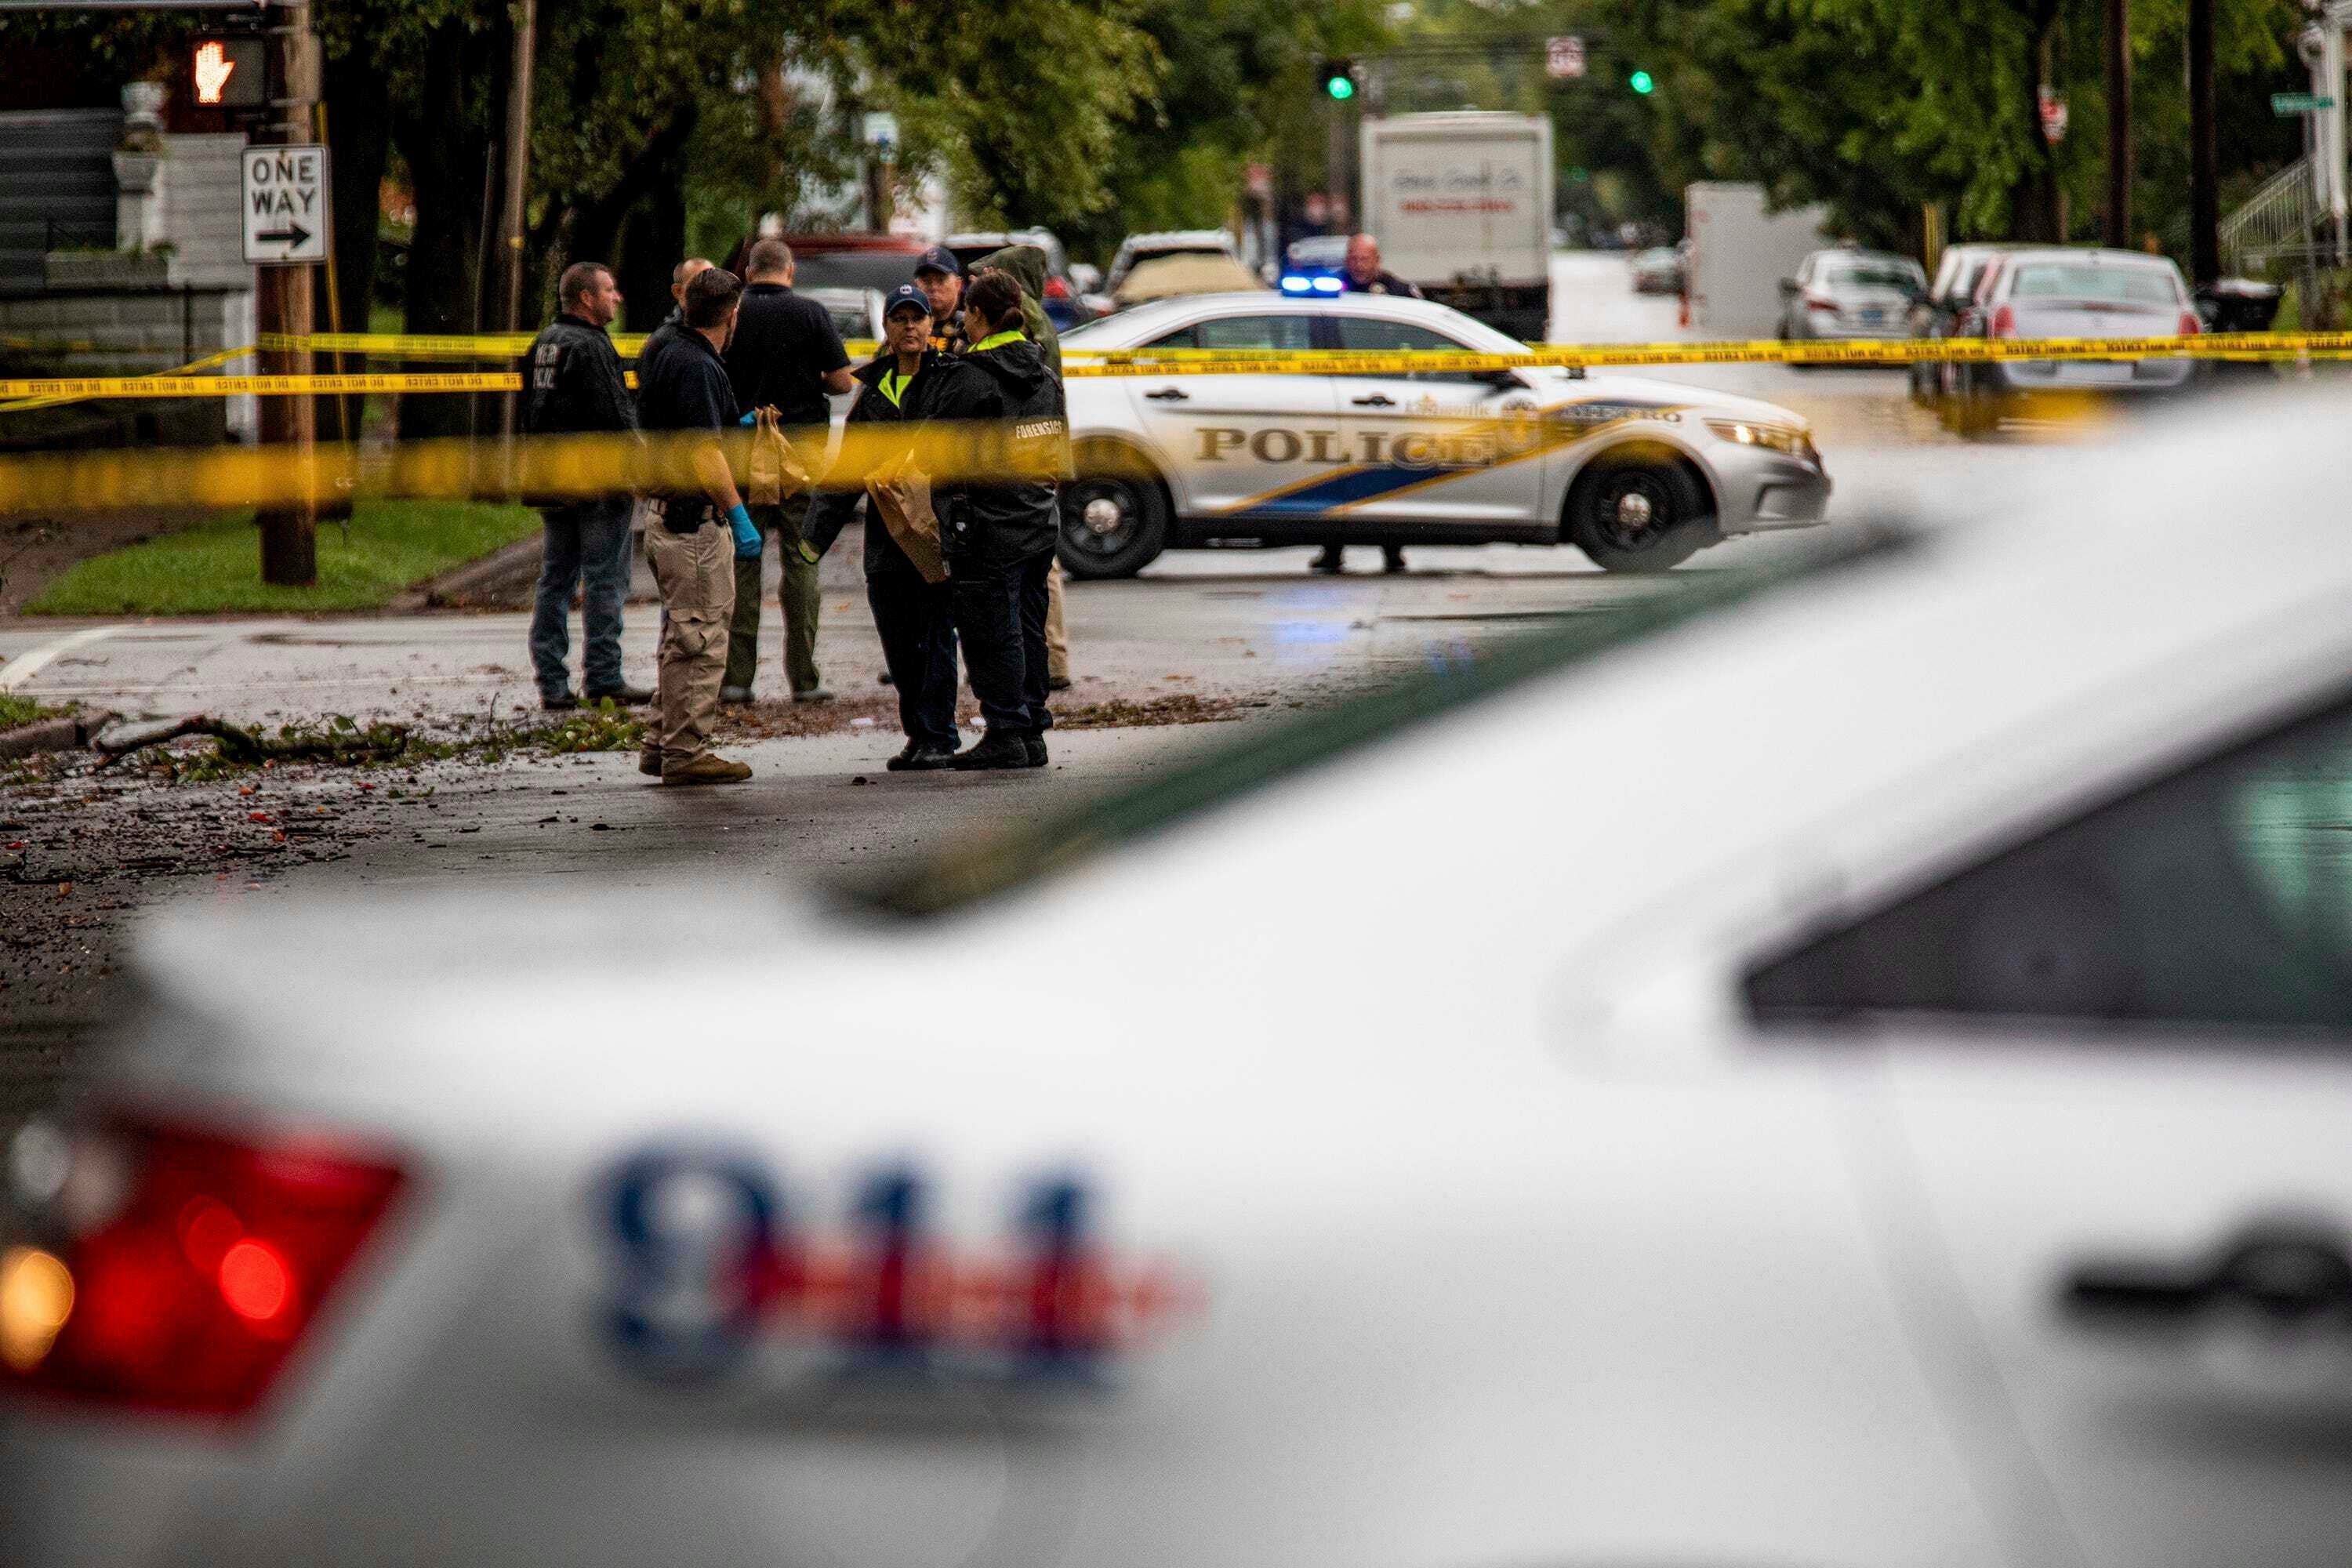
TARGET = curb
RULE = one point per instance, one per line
(64, 734)
(452, 588)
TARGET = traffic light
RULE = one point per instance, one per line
(230, 72)
(1339, 78)
(1642, 83)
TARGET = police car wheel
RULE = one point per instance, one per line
(1637, 511)
(1114, 521)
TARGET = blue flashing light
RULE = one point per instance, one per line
(1294, 284)
(1327, 285)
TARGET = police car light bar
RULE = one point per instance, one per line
(1296, 284)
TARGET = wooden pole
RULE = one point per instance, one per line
(283, 303)
(515, 180)
(2119, 143)
(2204, 161)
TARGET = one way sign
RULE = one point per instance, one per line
(285, 197)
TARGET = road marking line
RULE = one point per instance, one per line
(23, 667)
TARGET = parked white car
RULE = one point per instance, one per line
(1637, 473)
(1851, 1069)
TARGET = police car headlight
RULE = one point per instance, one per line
(1779, 437)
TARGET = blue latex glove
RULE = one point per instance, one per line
(748, 418)
(747, 538)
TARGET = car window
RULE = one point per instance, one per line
(1875, 275)
(1368, 335)
(2103, 284)
(1273, 332)
(2220, 896)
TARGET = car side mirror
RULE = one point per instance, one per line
(1787, 287)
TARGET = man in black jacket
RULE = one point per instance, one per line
(576, 388)
(911, 615)
(999, 535)
(786, 355)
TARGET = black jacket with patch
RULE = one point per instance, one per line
(1012, 407)
(574, 377)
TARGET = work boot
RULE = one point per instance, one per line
(921, 757)
(1036, 741)
(710, 768)
(1334, 560)
(558, 702)
(1057, 683)
(997, 749)
(813, 694)
(1392, 561)
(734, 696)
(649, 762)
(624, 695)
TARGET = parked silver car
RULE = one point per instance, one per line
(1844, 294)
(2063, 293)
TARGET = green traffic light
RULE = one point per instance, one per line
(1642, 81)
(1340, 88)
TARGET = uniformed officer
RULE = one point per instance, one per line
(940, 275)
(998, 534)
(786, 355)
(1361, 274)
(911, 615)
(1026, 263)
(686, 390)
(576, 388)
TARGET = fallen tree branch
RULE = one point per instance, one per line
(236, 744)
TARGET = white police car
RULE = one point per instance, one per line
(1637, 473)
(1853, 1069)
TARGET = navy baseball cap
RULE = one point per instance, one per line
(938, 258)
(906, 294)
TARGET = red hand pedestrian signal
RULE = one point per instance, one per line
(228, 73)
(213, 67)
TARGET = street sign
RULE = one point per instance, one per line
(284, 194)
(1564, 57)
(881, 128)
(2299, 103)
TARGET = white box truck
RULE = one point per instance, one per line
(1739, 252)
(1462, 204)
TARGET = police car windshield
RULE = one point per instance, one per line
(1018, 855)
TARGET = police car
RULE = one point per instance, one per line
(1852, 1068)
(1635, 472)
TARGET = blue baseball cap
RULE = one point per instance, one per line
(906, 294)
(938, 258)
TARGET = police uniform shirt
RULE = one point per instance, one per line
(783, 346)
(686, 388)
(1385, 283)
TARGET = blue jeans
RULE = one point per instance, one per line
(587, 541)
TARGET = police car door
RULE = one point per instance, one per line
(1423, 445)
(2118, 1145)
(1239, 443)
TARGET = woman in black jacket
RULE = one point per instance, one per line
(999, 534)
(911, 616)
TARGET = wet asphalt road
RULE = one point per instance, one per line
(1252, 633)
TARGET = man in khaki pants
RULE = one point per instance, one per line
(693, 537)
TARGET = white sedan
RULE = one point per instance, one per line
(1855, 1068)
(1635, 472)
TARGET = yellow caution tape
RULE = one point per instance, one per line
(544, 469)
(54, 400)
(259, 386)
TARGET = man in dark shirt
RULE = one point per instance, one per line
(684, 395)
(940, 277)
(1361, 274)
(576, 388)
(786, 355)
(664, 335)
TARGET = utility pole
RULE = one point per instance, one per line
(2119, 143)
(2204, 164)
(283, 303)
(515, 179)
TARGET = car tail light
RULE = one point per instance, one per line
(2189, 325)
(1819, 302)
(170, 1269)
(1057, 289)
(2004, 322)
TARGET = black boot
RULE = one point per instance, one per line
(1036, 741)
(997, 749)
(1334, 560)
(922, 757)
